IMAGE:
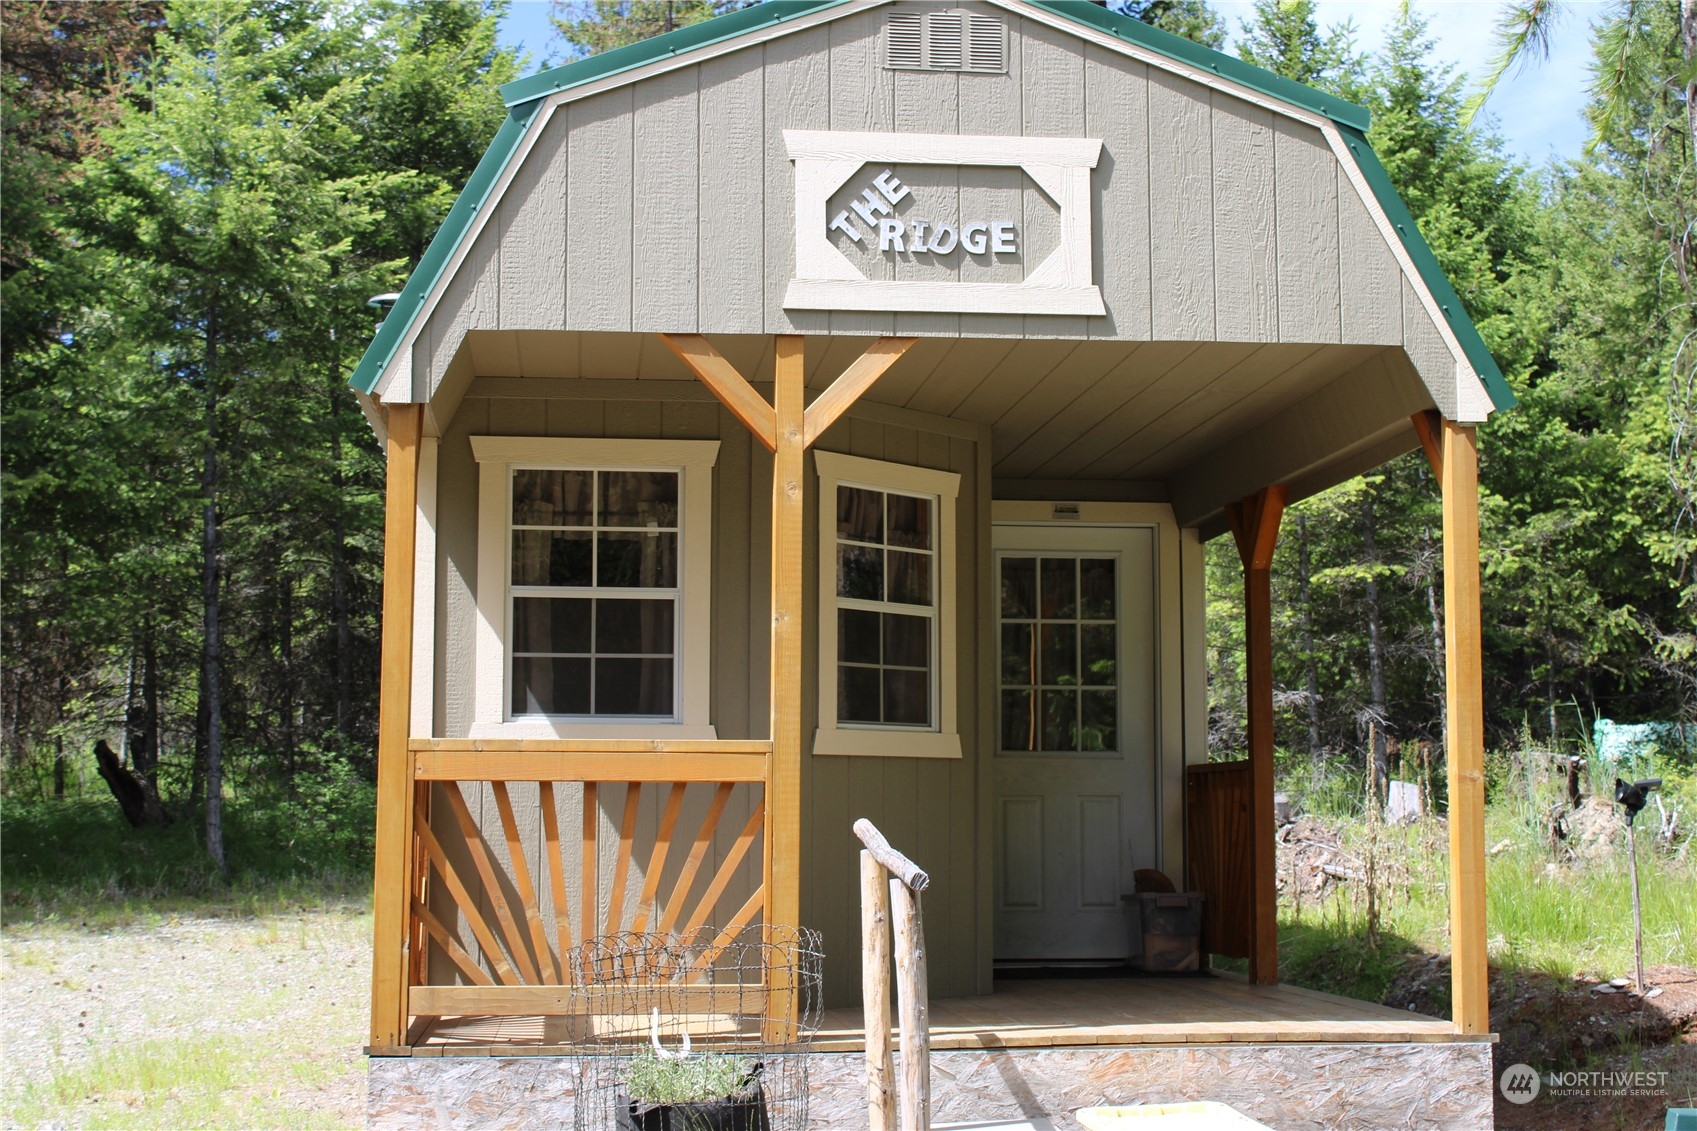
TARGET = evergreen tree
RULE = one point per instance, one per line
(594, 26)
(1191, 19)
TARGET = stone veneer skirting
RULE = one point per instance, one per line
(1293, 1087)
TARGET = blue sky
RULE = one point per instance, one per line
(1537, 111)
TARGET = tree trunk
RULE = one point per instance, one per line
(1436, 612)
(58, 766)
(286, 651)
(1311, 673)
(1379, 769)
(135, 797)
(146, 757)
(211, 652)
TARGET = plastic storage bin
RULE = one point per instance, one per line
(1171, 926)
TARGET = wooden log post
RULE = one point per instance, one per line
(875, 993)
(914, 1005)
(390, 959)
(1465, 740)
(1255, 525)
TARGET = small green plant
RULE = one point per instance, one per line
(687, 1080)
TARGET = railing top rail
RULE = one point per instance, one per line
(597, 765)
(595, 745)
(900, 866)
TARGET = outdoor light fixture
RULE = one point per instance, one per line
(383, 303)
(1633, 797)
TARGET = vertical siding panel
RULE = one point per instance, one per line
(576, 418)
(1245, 285)
(1181, 218)
(1305, 185)
(598, 213)
(730, 248)
(731, 552)
(532, 222)
(1370, 291)
(664, 211)
(929, 103)
(1116, 109)
(471, 302)
(797, 98)
(1426, 349)
(1052, 72)
(514, 416)
(759, 575)
(637, 420)
(991, 105)
(863, 97)
(456, 545)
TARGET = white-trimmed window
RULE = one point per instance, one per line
(886, 609)
(594, 587)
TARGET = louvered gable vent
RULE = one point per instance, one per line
(950, 40)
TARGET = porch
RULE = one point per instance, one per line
(1033, 1051)
(1036, 1013)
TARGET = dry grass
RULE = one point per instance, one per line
(236, 1022)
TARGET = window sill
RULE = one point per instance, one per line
(548, 728)
(885, 743)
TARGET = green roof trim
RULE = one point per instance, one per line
(676, 42)
(1478, 354)
(1207, 59)
(435, 259)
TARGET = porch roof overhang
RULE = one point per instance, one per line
(1195, 424)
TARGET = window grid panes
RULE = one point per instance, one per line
(594, 592)
(1059, 648)
(886, 607)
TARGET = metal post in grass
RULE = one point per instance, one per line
(1633, 797)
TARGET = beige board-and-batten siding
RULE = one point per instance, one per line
(667, 205)
(928, 806)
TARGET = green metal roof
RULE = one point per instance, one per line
(524, 97)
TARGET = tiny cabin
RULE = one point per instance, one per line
(818, 413)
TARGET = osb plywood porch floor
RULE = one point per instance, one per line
(1035, 1013)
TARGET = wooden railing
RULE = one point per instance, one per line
(502, 881)
(1217, 797)
(890, 884)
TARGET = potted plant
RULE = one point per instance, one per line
(678, 1091)
(703, 1092)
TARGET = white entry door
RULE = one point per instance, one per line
(1075, 806)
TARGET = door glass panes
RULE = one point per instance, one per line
(1059, 647)
(594, 592)
(885, 607)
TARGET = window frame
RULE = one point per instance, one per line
(497, 457)
(942, 738)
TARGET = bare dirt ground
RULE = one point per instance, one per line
(249, 1022)
(1558, 1024)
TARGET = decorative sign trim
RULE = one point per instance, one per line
(826, 280)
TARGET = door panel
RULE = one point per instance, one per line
(1075, 803)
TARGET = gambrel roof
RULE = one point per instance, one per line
(1470, 391)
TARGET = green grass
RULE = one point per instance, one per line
(1542, 916)
(185, 1082)
(76, 860)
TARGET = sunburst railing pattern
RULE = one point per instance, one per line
(523, 850)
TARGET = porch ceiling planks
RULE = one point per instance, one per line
(1058, 409)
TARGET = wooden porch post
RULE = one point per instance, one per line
(788, 427)
(1465, 740)
(1255, 525)
(394, 764)
(783, 791)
